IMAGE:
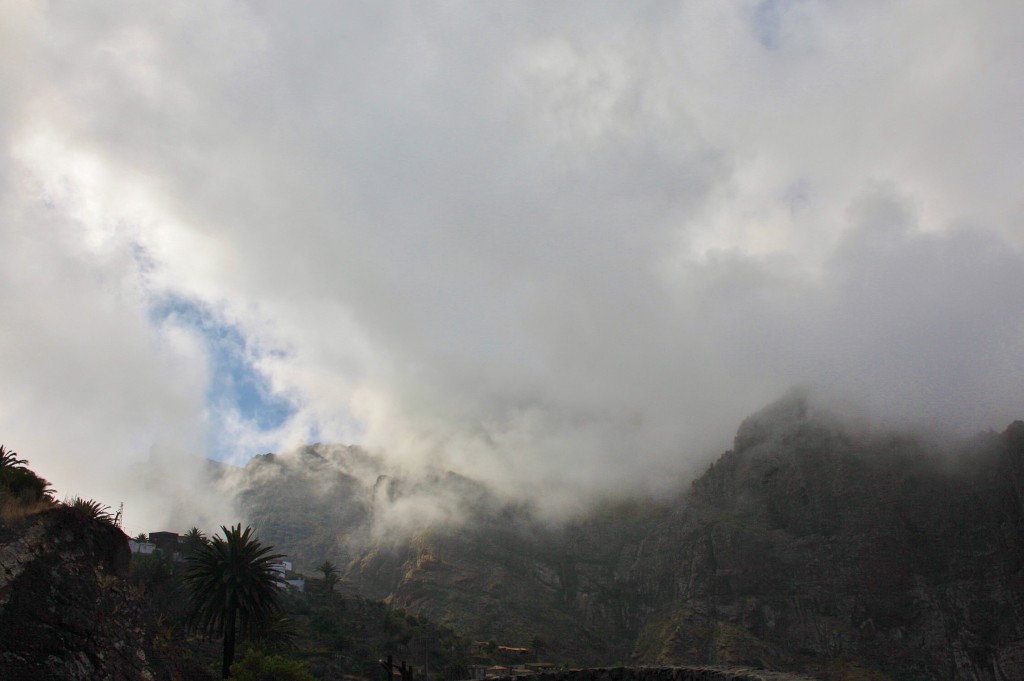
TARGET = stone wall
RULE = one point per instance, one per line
(659, 674)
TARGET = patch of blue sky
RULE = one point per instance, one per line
(768, 24)
(236, 385)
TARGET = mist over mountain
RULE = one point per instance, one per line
(562, 248)
(535, 264)
(814, 544)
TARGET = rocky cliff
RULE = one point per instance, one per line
(810, 546)
(66, 609)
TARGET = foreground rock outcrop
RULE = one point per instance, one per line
(67, 611)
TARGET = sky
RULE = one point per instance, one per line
(560, 247)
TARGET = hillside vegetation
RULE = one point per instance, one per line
(75, 603)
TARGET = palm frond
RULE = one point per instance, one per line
(90, 508)
(9, 459)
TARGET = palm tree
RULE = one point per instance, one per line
(231, 584)
(195, 539)
(330, 575)
(19, 486)
(90, 508)
(9, 459)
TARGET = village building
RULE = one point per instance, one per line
(168, 543)
(281, 567)
(142, 548)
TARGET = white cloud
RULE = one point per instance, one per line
(545, 244)
(89, 384)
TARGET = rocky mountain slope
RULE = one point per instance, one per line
(810, 546)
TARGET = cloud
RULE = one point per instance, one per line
(555, 247)
(90, 386)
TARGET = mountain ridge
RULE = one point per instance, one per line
(811, 546)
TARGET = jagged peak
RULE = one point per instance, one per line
(789, 410)
(1014, 433)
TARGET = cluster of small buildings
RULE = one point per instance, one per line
(489, 655)
(168, 543)
(172, 545)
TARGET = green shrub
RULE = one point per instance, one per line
(258, 666)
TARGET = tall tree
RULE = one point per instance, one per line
(195, 539)
(330, 573)
(18, 484)
(9, 459)
(232, 588)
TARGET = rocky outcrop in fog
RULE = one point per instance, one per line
(811, 546)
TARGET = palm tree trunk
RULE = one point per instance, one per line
(229, 637)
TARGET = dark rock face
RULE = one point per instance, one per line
(810, 548)
(66, 610)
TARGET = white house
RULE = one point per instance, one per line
(143, 548)
(281, 567)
